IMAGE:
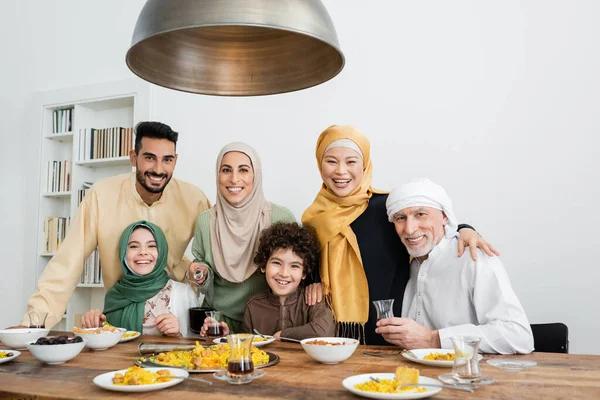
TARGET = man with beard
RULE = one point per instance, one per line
(449, 295)
(150, 193)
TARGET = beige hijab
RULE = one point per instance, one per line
(234, 230)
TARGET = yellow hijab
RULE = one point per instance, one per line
(342, 273)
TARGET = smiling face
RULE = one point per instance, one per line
(142, 251)
(284, 272)
(154, 163)
(420, 229)
(342, 170)
(236, 177)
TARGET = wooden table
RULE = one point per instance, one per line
(297, 376)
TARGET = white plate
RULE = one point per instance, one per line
(7, 359)
(127, 339)
(420, 353)
(349, 383)
(270, 339)
(105, 381)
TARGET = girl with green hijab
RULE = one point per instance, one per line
(145, 299)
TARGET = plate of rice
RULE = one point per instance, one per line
(130, 335)
(433, 357)
(256, 341)
(388, 387)
(205, 358)
(137, 379)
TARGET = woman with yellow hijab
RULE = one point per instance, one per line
(362, 257)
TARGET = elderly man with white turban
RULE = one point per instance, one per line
(449, 295)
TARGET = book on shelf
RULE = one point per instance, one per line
(81, 193)
(104, 143)
(55, 231)
(92, 270)
(59, 176)
(62, 120)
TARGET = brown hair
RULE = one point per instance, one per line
(302, 240)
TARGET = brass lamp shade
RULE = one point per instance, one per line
(235, 47)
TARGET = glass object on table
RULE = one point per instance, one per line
(214, 324)
(240, 365)
(465, 370)
(466, 362)
(385, 308)
(37, 319)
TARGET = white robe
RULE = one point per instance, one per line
(460, 296)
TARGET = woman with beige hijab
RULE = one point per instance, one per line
(226, 236)
(362, 257)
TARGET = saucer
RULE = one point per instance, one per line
(472, 383)
(507, 364)
(222, 375)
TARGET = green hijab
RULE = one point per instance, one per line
(124, 302)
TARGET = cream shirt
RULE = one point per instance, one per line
(460, 296)
(111, 205)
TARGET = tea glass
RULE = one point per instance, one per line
(214, 327)
(466, 362)
(385, 308)
(240, 366)
(37, 319)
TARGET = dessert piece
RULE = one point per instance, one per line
(406, 375)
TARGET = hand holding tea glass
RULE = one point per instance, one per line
(213, 326)
(197, 273)
(408, 334)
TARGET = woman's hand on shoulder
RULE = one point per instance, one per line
(468, 237)
(92, 319)
(313, 294)
(168, 324)
(197, 273)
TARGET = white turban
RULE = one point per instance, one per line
(421, 193)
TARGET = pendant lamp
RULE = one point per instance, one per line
(235, 47)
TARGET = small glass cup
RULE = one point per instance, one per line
(214, 327)
(37, 319)
(240, 366)
(385, 308)
(466, 362)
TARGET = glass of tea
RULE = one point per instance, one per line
(214, 327)
(385, 308)
(240, 366)
(37, 319)
(466, 362)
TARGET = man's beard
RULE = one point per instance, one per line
(141, 178)
(422, 250)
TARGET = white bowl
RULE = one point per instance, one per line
(101, 341)
(330, 354)
(18, 338)
(55, 353)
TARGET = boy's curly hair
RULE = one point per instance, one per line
(302, 240)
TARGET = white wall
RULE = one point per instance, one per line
(14, 91)
(497, 101)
